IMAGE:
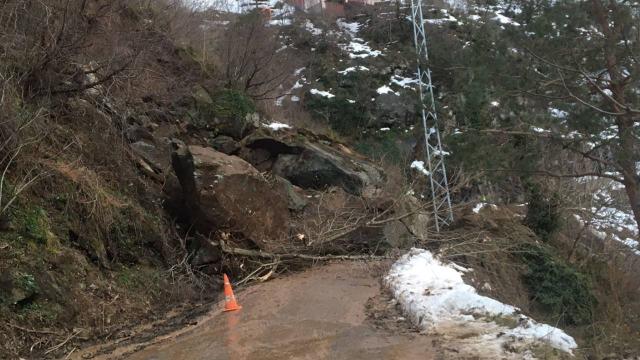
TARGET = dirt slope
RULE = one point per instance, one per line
(318, 314)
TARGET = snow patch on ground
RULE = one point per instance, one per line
(481, 205)
(404, 82)
(434, 295)
(357, 47)
(440, 21)
(351, 28)
(275, 126)
(505, 20)
(419, 166)
(558, 114)
(353, 69)
(386, 90)
(312, 29)
(322, 93)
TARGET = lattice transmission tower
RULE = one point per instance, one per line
(442, 213)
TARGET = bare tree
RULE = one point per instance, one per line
(253, 57)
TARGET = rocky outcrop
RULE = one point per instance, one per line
(225, 144)
(311, 164)
(319, 166)
(236, 128)
(224, 192)
(153, 157)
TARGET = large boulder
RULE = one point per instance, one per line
(235, 127)
(320, 166)
(227, 193)
(311, 163)
(225, 144)
(413, 225)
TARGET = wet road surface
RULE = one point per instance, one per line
(317, 314)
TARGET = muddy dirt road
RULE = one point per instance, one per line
(317, 314)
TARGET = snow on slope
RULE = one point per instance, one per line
(357, 48)
(434, 296)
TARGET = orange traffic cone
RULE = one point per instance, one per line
(229, 299)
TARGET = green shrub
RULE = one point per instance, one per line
(344, 117)
(34, 223)
(542, 212)
(230, 103)
(387, 145)
(556, 286)
(223, 104)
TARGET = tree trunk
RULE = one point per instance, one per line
(626, 155)
(631, 187)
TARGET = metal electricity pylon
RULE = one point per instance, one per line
(434, 156)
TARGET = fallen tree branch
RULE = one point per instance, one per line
(54, 348)
(32, 330)
(267, 255)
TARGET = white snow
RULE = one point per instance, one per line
(607, 219)
(322, 93)
(433, 293)
(275, 126)
(479, 206)
(311, 28)
(449, 18)
(505, 20)
(280, 22)
(441, 153)
(407, 83)
(385, 90)
(351, 28)
(353, 69)
(357, 47)
(539, 130)
(558, 114)
(419, 166)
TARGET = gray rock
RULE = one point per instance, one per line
(207, 254)
(397, 236)
(419, 222)
(295, 201)
(234, 127)
(154, 157)
(201, 96)
(226, 192)
(225, 144)
(137, 133)
(312, 162)
(405, 232)
(320, 166)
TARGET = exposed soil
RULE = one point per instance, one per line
(337, 311)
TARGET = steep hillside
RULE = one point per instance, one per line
(149, 146)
